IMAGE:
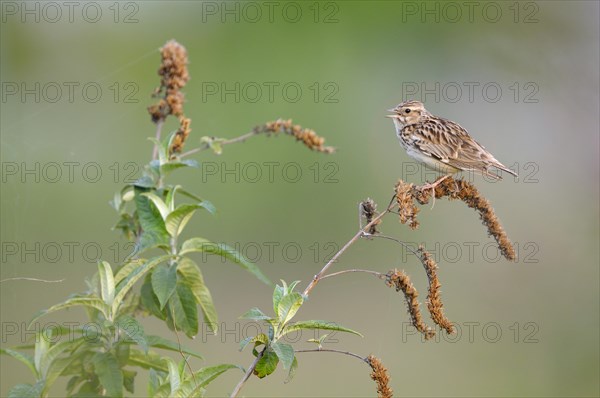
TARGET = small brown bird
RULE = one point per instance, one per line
(441, 144)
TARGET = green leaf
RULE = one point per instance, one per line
(23, 357)
(145, 181)
(57, 368)
(203, 245)
(164, 281)
(292, 371)
(106, 367)
(127, 269)
(192, 277)
(129, 380)
(90, 302)
(177, 219)
(315, 324)
(159, 342)
(260, 338)
(255, 314)
(204, 376)
(278, 294)
(133, 329)
(147, 361)
(107, 282)
(55, 351)
(178, 164)
(150, 218)
(26, 390)
(174, 379)
(266, 364)
(285, 352)
(288, 306)
(182, 306)
(128, 282)
(162, 150)
(170, 199)
(150, 301)
(159, 203)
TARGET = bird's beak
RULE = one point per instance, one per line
(394, 115)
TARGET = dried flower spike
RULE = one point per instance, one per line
(406, 208)
(401, 282)
(308, 137)
(174, 75)
(381, 377)
(434, 297)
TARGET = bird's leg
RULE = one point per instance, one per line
(432, 187)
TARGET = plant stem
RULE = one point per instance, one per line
(336, 351)
(375, 273)
(313, 283)
(247, 375)
(159, 126)
(360, 233)
(204, 147)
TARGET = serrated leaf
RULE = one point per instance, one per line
(285, 352)
(159, 203)
(26, 390)
(107, 282)
(192, 277)
(288, 306)
(91, 302)
(178, 218)
(182, 306)
(266, 364)
(128, 282)
(206, 246)
(164, 281)
(317, 324)
(23, 358)
(255, 314)
(133, 329)
(106, 367)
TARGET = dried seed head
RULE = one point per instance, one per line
(406, 208)
(368, 210)
(380, 375)
(401, 281)
(308, 137)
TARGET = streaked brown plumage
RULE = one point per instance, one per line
(441, 144)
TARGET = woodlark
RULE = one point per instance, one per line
(441, 144)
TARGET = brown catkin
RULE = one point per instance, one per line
(381, 377)
(434, 297)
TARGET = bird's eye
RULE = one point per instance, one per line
(407, 111)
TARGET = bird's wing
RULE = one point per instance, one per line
(451, 143)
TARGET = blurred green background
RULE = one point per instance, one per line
(352, 61)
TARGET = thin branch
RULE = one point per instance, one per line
(247, 375)
(336, 351)
(360, 233)
(22, 278)
(204, 147)
(180, 350)
(375, 273)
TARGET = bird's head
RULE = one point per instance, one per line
(408, 112)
